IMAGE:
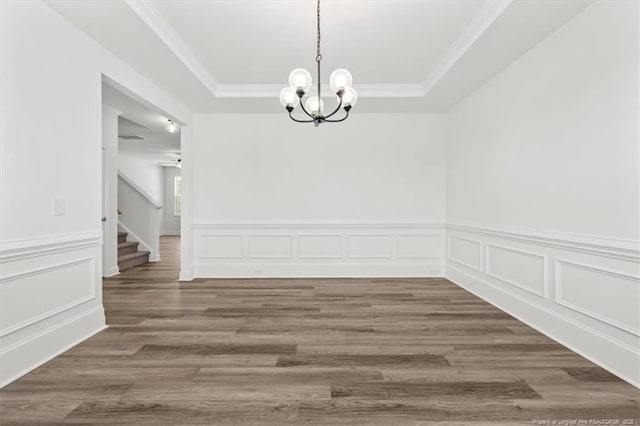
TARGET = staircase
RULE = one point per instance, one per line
(128, 254)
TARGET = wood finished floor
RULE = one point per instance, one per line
(302, 351)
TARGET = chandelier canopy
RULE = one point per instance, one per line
(300, 82)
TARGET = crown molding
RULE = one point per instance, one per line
(364, 90)
(165, 32)
(489, 12)
(390, 90)
(486, 16)
(112, 109)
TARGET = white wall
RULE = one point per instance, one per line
(170, 222)
(542, 188)
(146, 174)
(50, 106)
(552, 142)
(141, 217)
(371, 168)
(370, 191)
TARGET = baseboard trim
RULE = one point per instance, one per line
(19, 359)
(111, 273)
(319, 270)
(186, 276)
(614, 356)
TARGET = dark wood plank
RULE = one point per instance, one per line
(405, 391)
(407, 361)
(221, 349)
(590, 374)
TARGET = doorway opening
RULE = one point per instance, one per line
(141, 181)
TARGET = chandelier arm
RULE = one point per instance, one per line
(339, 120)
(305, 110)
(299, 121)
(336, 110)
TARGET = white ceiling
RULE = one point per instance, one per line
(260, 42)
(135, 119)
(405, 55)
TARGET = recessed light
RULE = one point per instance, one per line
(171, 127)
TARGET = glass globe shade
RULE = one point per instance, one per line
(350, 97)
(340, 79)
(288, 97)
(300, 79)
(312, 106)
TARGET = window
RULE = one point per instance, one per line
(177, 192)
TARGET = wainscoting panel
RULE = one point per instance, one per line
(372, 246)
(221, 246)
(522, 269)
(419, 246)
(320, 246)
(270, 246)
(318, 250)
(51, 299)
(465, 251)
(582, 291)
(576, 285)
(32, 296)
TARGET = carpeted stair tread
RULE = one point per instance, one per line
(134, 255)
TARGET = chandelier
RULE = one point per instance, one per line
(300, 82)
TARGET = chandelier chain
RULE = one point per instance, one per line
(300, 81)
(318, 55)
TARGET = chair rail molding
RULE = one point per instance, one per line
(603, 246)
(32, 247)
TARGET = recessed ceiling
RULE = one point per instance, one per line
(234, 56)
(260, 42)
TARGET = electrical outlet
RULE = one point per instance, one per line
(58, 207)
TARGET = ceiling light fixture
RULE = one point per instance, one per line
(300, 83)
(171, 127)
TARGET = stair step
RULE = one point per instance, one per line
(122, 237)
(133, 255)
(127, 247)
(132, 259)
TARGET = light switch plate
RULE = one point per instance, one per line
(58, 207)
